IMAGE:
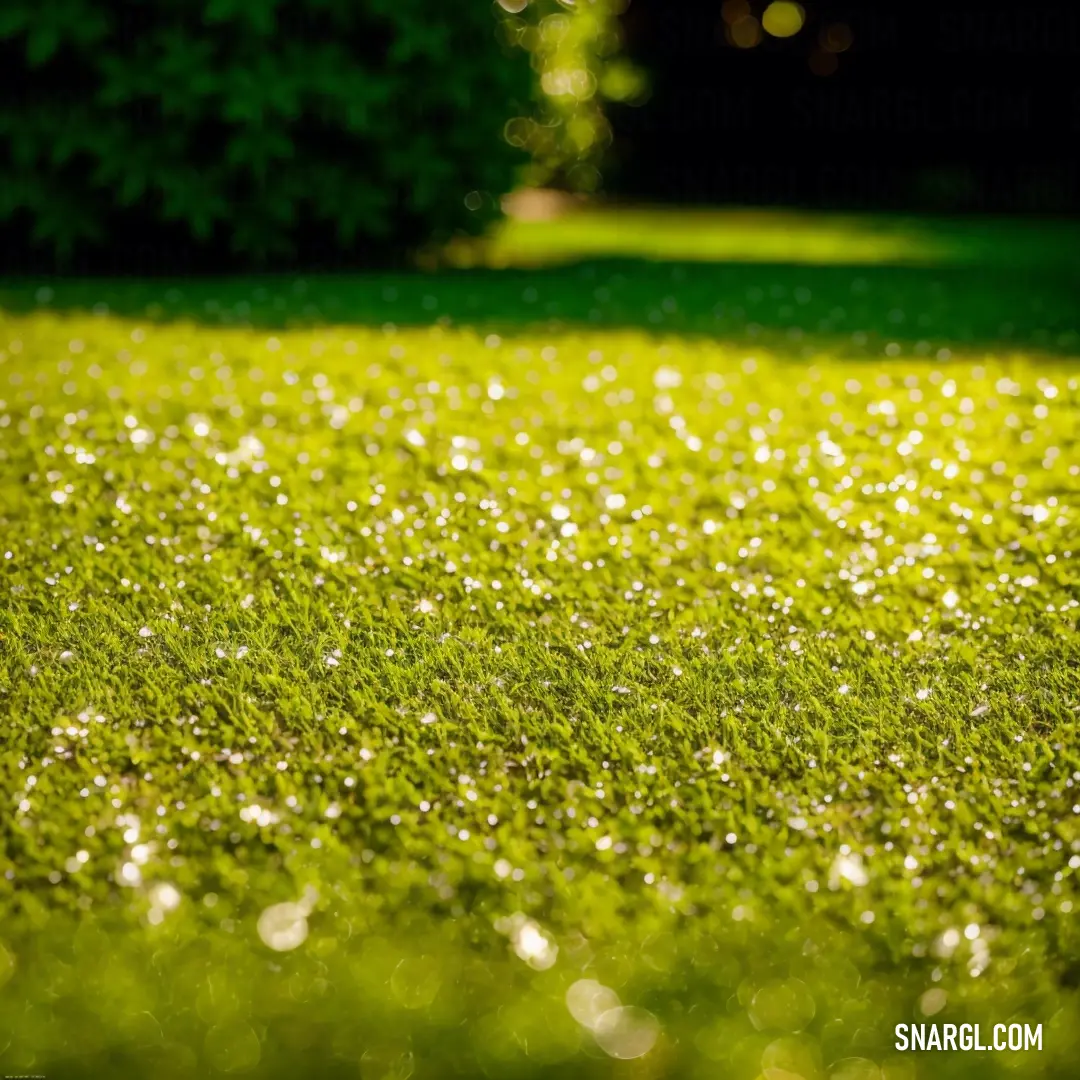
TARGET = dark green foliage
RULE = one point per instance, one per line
(257, 127)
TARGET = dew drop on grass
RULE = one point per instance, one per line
(782, 1005)
(626, 1032)
(283, 927)
(587, 1000)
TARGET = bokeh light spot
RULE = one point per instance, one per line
(283, 927)
(627, 1032)
(783, 19)
(588, 1000)
(836, 38)
(782, 1006)
(734, 10)
(823, 63)
(745, 32)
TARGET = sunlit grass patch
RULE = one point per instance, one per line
(566, 234)
(544, 228)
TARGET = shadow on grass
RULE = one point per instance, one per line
(1030, 307)
(726, 273)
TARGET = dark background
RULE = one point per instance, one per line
(192, 136)
(958, 107)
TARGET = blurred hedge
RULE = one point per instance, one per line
(260, 129)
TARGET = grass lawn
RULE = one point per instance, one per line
(610, 669)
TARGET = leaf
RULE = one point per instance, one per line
(14, 19)
(63, 224)
(42, 44)
(217, 11)
(132, 187)
(258, 14)
(16, 193)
